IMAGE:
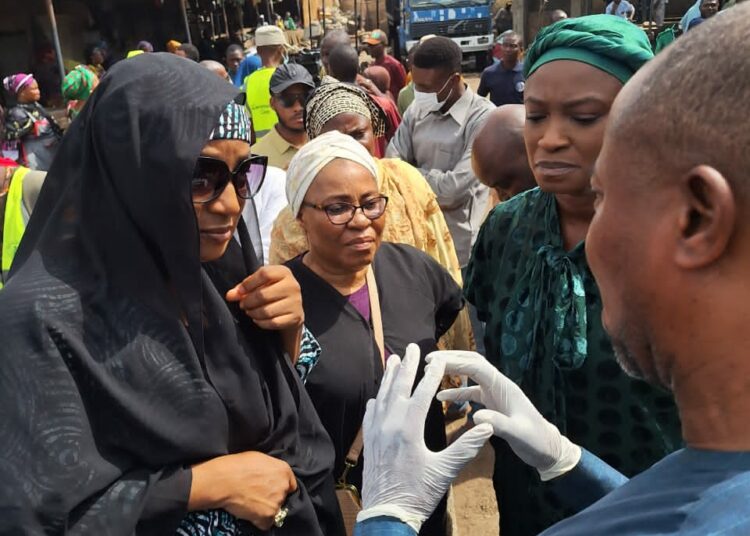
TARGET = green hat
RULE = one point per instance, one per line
(609, 43)
(78, 83)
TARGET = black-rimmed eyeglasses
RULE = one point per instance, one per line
(343, 213)
(212, 175)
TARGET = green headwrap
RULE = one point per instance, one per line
(609, 43)
(78, 84)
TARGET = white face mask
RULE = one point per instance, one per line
(428, 102)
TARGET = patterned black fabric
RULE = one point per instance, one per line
(122, 364)
(543, 313)
(211, 523)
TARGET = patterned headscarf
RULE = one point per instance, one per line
(611, 44)
(78, 83)
(234, 124)
(334, 98)
(314, 156)
(16, 82)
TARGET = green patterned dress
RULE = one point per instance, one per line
(542, 311)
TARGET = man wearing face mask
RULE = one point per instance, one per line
(436, 136)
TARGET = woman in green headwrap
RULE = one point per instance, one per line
(531, 284)
(77, 87)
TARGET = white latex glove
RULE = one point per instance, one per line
(402, 478)
(512, 415)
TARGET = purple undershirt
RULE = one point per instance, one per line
(360, 300)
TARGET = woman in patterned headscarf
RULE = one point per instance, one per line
(77, 87)
(531, 284)
(414, 216)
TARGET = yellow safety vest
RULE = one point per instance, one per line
(13, 224)
(258, 92)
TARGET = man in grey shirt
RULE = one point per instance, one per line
(436, 136)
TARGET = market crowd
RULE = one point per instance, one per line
(563, 252)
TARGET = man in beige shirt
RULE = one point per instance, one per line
(290, 86)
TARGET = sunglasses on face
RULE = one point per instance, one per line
(343, 213)
(212, 175)
(287, 101)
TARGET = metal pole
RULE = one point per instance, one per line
(226, 19)
(377, 13)
(309, 21)
(56, 38)
(323, 7)
(356, 25)
(185, 20)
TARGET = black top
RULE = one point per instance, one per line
(419, 301)
(122, 362)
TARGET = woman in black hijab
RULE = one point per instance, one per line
(132, 394)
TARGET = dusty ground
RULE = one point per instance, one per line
(473, 80)
(472, 505)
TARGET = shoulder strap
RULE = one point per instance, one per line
(352, 457)
(377, 320)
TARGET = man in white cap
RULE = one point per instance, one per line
(271, 45)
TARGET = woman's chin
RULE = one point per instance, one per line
(572, 184)
(212, 251)
(359, 260)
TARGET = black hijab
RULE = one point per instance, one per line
(121, 363)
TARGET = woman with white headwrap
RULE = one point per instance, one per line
(414, 216)
(356, 287)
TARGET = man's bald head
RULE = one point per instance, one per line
(670, 242)
(558, 15)
(499, 154)
(691, 98)
(343, 63)
(217, 68)
(331, 40)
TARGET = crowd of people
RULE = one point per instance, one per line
(204, 276)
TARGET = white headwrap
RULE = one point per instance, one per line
(314, 156)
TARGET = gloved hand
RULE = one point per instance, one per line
(402, 478)
(512, 415)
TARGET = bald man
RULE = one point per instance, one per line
(343, 63)
(558, 15)
(669, 246)
(498, 155)
(217, 68)
(331, 40)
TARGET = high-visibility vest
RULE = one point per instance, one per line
(13, 222)
(258, 101)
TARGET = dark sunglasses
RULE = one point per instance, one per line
(343, 213)
(287, 101)
(212, 175)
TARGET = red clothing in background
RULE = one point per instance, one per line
(392, 121)
(397, 72)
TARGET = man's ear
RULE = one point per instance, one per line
(707, 217)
